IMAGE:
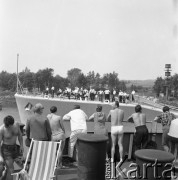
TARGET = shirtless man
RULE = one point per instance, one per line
(9, 152)
(57, 128)
(117, 116)
(141, 134)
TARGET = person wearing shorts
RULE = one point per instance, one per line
(10, 152)
(117, 130)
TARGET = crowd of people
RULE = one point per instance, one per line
(51, 128)
(91, 94)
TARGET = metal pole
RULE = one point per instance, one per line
(17, 72)
(166, 92)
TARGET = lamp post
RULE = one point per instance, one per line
(167, 74)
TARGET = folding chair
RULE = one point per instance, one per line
(43, 157)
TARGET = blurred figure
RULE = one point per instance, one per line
(86, 94)
(113, 95)
(92, 94)
(120, 96)
(107, 94)
(132, 94)
(68, 91)
(59, 93)
(52, 91)
(47, 91)
(100, 94)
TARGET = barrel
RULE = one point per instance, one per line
(174, 149)
(91, 156)
(154, 164)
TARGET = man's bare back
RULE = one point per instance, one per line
(139, 119)
(55, 124)
(117, 117)
(141, 134)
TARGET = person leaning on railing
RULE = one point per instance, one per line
(165, 119)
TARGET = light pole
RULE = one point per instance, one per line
(167, 74)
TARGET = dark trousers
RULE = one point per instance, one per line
(140, 138)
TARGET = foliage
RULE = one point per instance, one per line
(172, 83)
(159, 86)
(73, 75)
(45, 77)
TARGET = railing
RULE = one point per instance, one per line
(154, 104)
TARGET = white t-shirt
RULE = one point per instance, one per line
(133, 92)
(107, 91)
(77, 119)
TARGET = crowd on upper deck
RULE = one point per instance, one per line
(91, 94)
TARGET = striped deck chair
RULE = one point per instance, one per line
(44, 157)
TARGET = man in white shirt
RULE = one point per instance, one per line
(133, 93)
(78, 125)
(100, 94)
(107, 94)
(52, 91)
(120, 96)
(68, 90)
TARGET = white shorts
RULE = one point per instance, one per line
(117, 129)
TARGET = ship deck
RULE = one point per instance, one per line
(70, 170)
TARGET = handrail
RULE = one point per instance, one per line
(154, 104)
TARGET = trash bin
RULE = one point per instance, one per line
(174, 149)
(153, 164)
(91, 156)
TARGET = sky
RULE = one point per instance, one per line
(134, 38)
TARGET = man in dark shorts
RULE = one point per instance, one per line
(141, 134)
(10, 152)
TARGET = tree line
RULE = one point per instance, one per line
(75, 77)
(160, 85)
(45, 78)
